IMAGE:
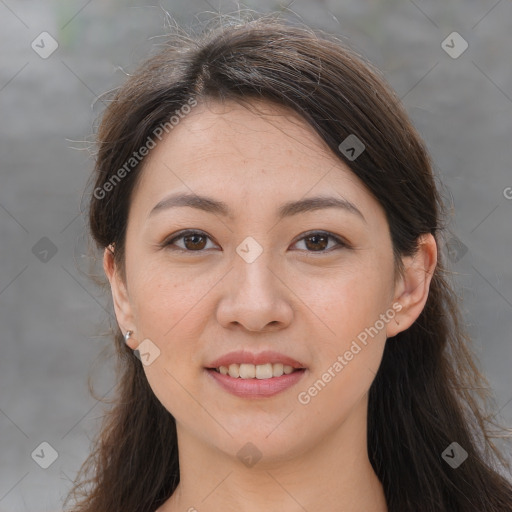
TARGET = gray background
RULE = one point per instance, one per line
(54, 319)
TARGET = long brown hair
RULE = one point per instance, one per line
(428, 392)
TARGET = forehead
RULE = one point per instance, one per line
(243, 154)
(257, 132)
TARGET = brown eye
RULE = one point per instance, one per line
(193, 241)
(318, 241)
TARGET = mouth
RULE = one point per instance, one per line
(260, 371)
(261, 381)
(255, 375)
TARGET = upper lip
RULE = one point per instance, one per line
(242, 356)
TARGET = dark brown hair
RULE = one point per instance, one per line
(428, 391)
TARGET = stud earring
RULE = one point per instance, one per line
(127, 336)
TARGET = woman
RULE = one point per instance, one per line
(287, 339)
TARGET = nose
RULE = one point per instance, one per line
(255, 296)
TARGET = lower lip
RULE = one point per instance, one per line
(256, 388)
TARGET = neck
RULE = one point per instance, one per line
(334, 474)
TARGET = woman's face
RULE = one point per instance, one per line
(307, 281)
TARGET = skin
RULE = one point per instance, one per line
(309, 304)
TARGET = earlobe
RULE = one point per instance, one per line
(413, 286)
(122, 306)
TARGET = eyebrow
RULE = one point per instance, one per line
(288, 209)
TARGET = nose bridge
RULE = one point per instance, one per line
(252, 270)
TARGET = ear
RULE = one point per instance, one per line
(122, 306)
(411, 290)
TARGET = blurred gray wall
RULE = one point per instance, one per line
(52, 316)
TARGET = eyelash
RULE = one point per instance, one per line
(169, 242)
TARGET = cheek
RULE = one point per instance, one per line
(352, 302)
(172, 308)
(164, 298)
(354, 310)
(346, 363)
(170, 311)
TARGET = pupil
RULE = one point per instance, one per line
(195, 243)
(316, 237)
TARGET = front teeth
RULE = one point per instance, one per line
(251, 371)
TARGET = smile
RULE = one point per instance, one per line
(255, 387)
(260, 371)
